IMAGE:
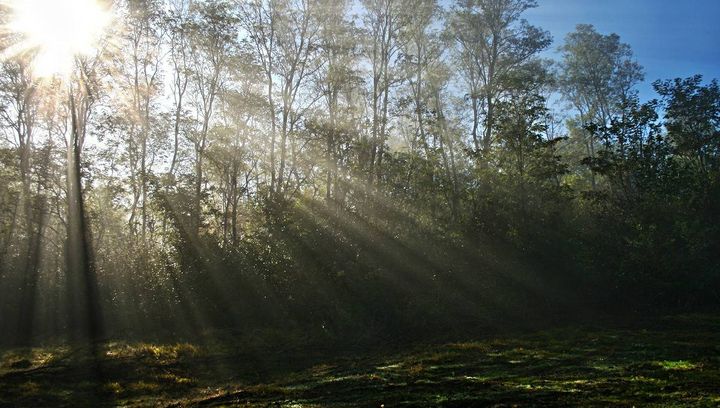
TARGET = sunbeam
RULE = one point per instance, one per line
(357, 203)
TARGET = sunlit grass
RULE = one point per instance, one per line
(600, 367)
(113, 387)
(30, 358)
(679, 365)
(160, 352)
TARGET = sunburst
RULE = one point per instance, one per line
(55, 32)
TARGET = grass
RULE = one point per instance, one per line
(672, 362)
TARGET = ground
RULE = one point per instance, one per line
(675, 361)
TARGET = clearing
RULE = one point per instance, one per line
(674, 361)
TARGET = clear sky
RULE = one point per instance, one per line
(670, 38)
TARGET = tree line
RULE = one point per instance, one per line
(382, 165)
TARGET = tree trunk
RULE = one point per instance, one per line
(86, 309)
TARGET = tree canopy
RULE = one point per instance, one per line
(385, 166)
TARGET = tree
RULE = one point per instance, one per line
(525, 156)
(384, 20)
(692, 118)
(235, 152)
(336, 81)
(19, 101)
(492, 40)
(212, 43)
(422, 52)
(297, 46)
(142, 68)
(597, 76)
(177, 26)
(259, 19)
(86, 312)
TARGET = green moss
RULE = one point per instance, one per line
(679, 365)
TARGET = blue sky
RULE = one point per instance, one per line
(670, 38)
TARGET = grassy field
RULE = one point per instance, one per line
(673, 361)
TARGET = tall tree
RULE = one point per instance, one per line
(82, 97)
(383, 20)
(144, 37)
(492, 41)
(19, 101)
(259, 21)
(597, 76)
(422, 51)
(213, 42)
(338, 77)
(297, 46)
(178, 28)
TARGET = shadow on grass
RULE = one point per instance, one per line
(675, 361)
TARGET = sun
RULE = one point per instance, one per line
(56, 31)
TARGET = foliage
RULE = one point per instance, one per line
(290, 165)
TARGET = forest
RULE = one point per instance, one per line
(349, 203)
